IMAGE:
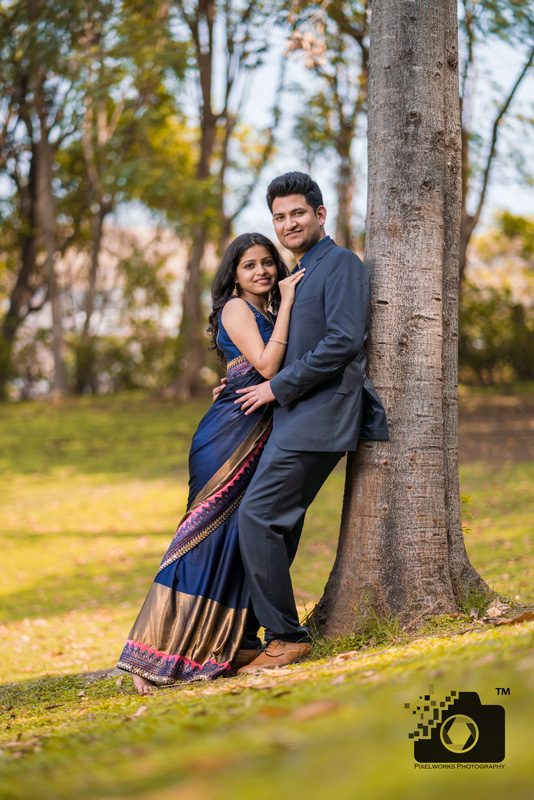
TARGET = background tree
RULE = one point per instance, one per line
(334, 40)
(242, 26)
(401, 547)
(496, 310)
(484, 24)
(39, 117)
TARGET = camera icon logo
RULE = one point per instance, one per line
(457, 729)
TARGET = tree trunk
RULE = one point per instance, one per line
(85, 353)
(192, 345)
(23, 290)
(345, 185)
(401, 546)
(47, 218)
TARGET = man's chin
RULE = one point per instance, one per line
(294, 243)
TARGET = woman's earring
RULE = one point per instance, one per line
(235, 293)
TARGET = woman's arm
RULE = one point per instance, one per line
(240, 324)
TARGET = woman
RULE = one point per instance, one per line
(192, 624)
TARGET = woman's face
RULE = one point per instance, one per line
(256, 272)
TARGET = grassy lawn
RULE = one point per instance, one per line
(91, 494)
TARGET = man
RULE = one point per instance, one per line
(323, 404)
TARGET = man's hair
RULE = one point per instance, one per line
(294, 183)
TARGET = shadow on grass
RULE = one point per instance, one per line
(95, 586)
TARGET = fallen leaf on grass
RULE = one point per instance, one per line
(82, 693)
(344, 656)
(487, 659)
(211, 763)
(526, 617)
(315, 709)
(258, 686)
(497, 609)
(338, 680)
(272, 711)
(140, 710)
(281, 671)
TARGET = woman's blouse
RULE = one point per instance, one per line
(236, 363)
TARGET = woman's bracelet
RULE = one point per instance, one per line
(278, 341)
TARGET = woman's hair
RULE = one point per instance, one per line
(225, 279)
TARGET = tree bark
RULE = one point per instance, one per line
(192, 344)
(46, 210)
(345, 184)
(401, 545)
(26, 283)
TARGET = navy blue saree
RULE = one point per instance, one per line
(193, 619)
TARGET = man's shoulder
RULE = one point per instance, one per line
(342, 255)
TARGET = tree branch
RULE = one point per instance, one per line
(495, 134)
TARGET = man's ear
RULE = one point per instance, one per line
(321, 215)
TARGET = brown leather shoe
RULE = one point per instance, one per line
(244, 657)
(277, 654)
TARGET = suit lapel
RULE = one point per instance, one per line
(312, 263)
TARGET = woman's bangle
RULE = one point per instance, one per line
(278, 341)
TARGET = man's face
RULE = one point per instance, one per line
(296, 224)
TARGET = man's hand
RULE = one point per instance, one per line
(218, 389)
(255, 396)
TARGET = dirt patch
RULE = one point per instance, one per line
(498, 428)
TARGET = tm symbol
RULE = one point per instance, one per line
(501, 691)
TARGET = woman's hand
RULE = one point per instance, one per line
(218, 389)
(287, 286)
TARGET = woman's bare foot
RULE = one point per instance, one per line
(143, 686)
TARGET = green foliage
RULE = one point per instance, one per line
(476, 598)
(373, 628)
(496, 337)
(496, 326)
(466, 504)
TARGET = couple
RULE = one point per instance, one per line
(296, 399)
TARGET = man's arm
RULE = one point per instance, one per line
(347, 319)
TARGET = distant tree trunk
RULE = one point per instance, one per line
(47, 219)
(192, 344)
(345, 185)
(85, 353)
(401, 546)
(26, 283)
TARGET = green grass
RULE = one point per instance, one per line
(91, 494)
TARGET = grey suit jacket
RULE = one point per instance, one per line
(325, 401)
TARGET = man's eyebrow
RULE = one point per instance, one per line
(292, 211)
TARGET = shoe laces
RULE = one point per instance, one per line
(272, 641)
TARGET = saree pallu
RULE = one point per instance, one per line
(193, 619)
